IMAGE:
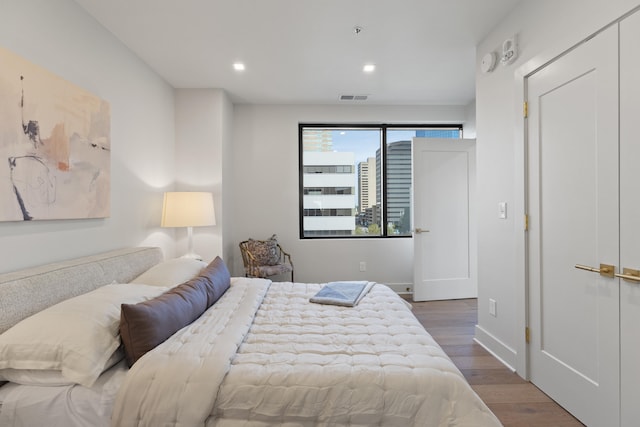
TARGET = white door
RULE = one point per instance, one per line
(630, 219)
(444, 234)
(573, 210)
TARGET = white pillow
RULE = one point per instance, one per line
(76, 337)
(49, 377)
(171, 273)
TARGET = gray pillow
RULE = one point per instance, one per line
(145, 325)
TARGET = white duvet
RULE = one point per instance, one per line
(263, 355)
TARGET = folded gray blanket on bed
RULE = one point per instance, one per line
(346, 294)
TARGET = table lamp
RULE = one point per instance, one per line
(188, 209)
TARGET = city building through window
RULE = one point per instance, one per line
(355, 180)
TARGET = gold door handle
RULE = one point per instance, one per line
(420, 230)
(605, 270)
(630, 275)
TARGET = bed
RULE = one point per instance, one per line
(206, 349)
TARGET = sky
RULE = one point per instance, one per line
(365, 142)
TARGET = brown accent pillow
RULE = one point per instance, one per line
(145, 325)
(265, 251)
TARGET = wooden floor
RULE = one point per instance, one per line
(516, 402)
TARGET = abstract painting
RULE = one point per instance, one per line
(55, 147)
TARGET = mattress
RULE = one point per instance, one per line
(373, 364)
(264, 355)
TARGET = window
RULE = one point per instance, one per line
(355, 178)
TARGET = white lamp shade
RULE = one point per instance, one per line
(188, 209)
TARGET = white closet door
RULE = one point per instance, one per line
(630, 218)
(573, 208)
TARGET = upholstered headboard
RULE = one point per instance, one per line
(25, 292)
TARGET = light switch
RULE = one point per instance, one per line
(493, 306)
(502, 210)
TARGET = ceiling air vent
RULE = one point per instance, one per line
(353, 97)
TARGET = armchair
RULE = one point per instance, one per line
(265, 258)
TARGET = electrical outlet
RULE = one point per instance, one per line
(493, 307)
(363, 266)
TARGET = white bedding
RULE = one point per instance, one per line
(176, 383)
(62, 406)
(299, 363)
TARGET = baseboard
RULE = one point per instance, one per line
(401, 288)
(497, 348)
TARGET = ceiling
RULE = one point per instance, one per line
(306, 51)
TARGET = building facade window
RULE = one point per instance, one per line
(355, 180)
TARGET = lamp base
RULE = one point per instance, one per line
(192, 255)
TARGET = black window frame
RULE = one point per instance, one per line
(383, 127)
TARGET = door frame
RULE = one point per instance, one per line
(521, 194)
(521, 185)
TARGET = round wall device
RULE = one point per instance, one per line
(488, 62)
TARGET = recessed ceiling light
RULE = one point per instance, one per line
(238, 66)
(369, 68)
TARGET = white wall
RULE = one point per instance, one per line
(265, 190)
(470, 121)
(62, 38)
(229, 245)
(545, 29)
(203, 119)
